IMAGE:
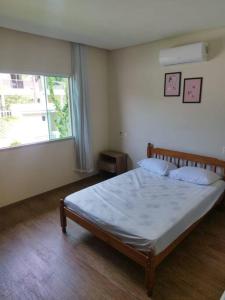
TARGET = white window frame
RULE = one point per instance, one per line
(50, 140)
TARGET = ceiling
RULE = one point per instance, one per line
(111, 24)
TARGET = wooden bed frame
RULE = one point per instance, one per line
(146, 259)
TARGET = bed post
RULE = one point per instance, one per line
(150, 273)
(149, 150)
(62, 216)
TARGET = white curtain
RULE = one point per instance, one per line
(80, 108)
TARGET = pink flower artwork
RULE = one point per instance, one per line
(172, 84)
(192, 90)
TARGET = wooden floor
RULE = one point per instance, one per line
(38, 262)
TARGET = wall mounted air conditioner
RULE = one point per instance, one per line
(185, 54)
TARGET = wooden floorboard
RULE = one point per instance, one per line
(38, 262)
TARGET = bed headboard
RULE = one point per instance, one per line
(187, 159)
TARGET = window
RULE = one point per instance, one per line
(16, 81)
(33, 109)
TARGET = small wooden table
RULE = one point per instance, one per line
(113, 162)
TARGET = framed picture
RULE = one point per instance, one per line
(192, 90)
(172, 83)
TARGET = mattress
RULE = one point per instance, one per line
(144, 209)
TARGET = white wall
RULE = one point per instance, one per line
(27, 53)
(30, 170)
(99, 106)
(138, 108)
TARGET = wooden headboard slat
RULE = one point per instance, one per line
(177, 156)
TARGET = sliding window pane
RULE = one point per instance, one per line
(23, 117)
(58, 107)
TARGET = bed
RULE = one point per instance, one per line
(144, 215)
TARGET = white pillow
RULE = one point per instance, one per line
(159, 166)
(194, 175)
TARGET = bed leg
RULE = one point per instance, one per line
(150, 273)
(62, 216)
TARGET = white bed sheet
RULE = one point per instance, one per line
(144, 209)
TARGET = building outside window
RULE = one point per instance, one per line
(16, 81)
(33, 109)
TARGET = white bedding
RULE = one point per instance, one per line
(144, 209)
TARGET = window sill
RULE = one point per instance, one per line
(36, 144)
